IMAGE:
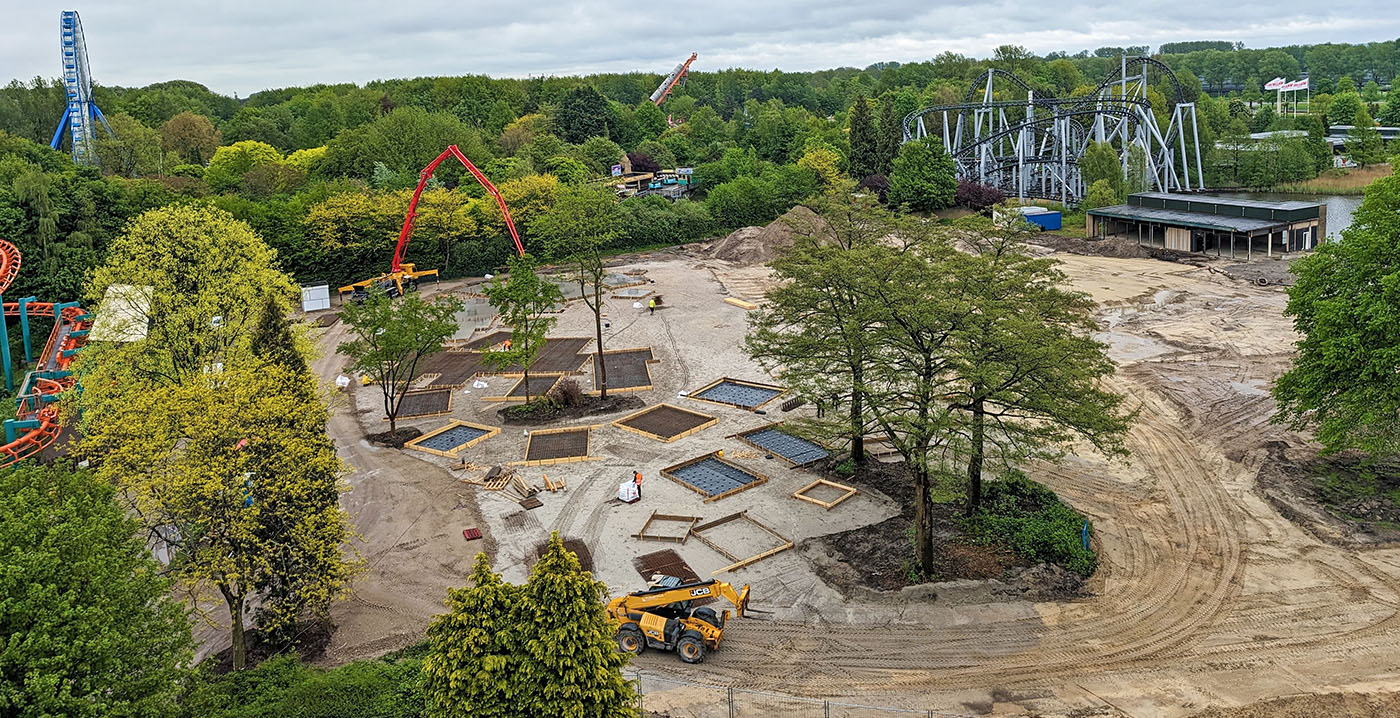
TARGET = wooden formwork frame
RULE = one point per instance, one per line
(452, 453)
(695, 395)
(760, 479)
(619, 424)
(588, 444)
(656, 517)
(698, 532)
(435, 389)
(624, 390)
(744, 437)
(508, 398)
(828, 505)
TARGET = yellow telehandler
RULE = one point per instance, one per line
(663, 617)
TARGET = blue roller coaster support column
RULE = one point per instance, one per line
(24, 328)
(5, 355)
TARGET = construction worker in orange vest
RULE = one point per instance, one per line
(637, 479)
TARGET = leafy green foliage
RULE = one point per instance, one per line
(1345, 305)
(923, 179)
(283, 685)
(391, 337)
(865, 141)
(1101, 194)
(471, 665)
(1100, 163)
(583, 113)
(1032, 521)
(522, 300)
(542, 649)
(89, 628)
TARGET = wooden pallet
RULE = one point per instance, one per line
(828, 505)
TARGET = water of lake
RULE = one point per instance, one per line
(1339, 207)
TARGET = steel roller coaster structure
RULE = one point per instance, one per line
(1031, 147)
(81, 115)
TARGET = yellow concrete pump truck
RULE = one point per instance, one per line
(664, 617)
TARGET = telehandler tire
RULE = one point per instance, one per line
(630, 640)
(691, 648)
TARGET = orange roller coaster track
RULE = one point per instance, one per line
(37, 423)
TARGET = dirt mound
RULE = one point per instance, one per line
(1352, 705)
(760, 245)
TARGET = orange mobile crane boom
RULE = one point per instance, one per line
(677, 77)
(403, 276)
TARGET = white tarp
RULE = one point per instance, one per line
(315, 299)
(123, 314)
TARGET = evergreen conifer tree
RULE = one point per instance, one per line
(865, 151)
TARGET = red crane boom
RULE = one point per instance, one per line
(399, 271)
(423, 178)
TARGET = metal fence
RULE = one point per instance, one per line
(676, 698)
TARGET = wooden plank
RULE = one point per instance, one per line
(656, 517)
(752, 559)
(749, 306)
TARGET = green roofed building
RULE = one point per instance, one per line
(1220, 226)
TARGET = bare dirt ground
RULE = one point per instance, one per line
(1206, 596)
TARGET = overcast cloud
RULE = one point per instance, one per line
(244, 46)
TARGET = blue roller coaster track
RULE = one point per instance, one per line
(81, 116)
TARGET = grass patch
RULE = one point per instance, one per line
(1033, 522)
(1338, 181)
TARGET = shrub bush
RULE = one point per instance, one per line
(1031, 520)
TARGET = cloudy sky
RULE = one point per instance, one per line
(243, 46)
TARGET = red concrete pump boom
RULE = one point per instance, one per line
(423, 178)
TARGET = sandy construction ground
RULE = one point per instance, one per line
(1205, 596)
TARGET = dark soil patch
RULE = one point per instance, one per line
(881, 557)
(313, 637)
(557, 445)
(580, 549)
(430, 402)
(1107, 247)
(545, 411)
(397, 439)
(1344, 499)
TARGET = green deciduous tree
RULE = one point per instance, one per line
(818, 321)
(522, 299)
(231, 162)
(924, 177)
(1343, 382)
(1024, 375)
(582, 224)
(1100, 162)
(191, 137)
(1365, 143)
(1344, 108)
(89, 629)
(583, 113)
(1100, 194)
(131, 150)
(392, 337)
(865, 141)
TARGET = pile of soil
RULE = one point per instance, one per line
(1107, 247)
(1352, 705)
(397, 439)
(881, 557)
(1341, 499)
(760, 245)
(537, 413)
